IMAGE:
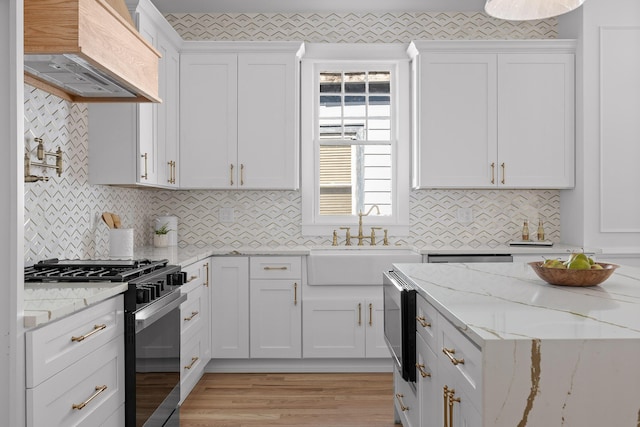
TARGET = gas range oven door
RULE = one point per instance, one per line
(152, 363)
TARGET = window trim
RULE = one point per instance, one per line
(363, 56)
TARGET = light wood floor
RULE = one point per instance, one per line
(320, 400)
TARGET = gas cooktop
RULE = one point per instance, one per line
(102, 270)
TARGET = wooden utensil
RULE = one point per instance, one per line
(108, 219)
(116, 220)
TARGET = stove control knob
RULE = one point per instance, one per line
(143, 295)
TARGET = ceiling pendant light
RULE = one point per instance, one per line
(525, 10)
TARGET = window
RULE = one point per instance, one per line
(354, 143)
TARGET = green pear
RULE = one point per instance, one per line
(579, 264)
(597, 267)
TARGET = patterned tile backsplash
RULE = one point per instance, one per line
(60, 215)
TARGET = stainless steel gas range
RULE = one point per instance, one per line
(152, 329)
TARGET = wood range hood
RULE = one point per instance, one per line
(88, 51)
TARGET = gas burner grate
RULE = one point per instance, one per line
(54, 270)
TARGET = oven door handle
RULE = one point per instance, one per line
(155, 311)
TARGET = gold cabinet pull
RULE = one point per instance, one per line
(359, 314)
(295, 294)
(452, 400)
(370, 314)
(96, 329)
(231, 174)
(267, 268)
(493, 173)
(172, 172)
(192, 278)
(423, 373)
(403, 408)
(99, 389)
(206, 276)
(241, 174)
(193, 361)
(503, 172)
(450, 354)
(423, 322)
(146, 158)
(445, 400)
(193, 314)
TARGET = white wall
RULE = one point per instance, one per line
(11, 212)
(588, 215)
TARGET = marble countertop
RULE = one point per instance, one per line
(44, 302)
(507, 301)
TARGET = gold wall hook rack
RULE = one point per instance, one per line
(41, 155)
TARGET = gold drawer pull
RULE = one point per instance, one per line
(206, 275)
(96, 328)
(370, 314)
(450, 354)
(193, 314)
(423, 322)
(403, 408)
(145, 156)
(193, 361)
(423, 373)
(267, 268)
(503, 172)
(359, 314)
(192, 278)
(493, 173)
(99, 389)
(231, 174)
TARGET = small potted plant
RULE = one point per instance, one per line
(161, 236)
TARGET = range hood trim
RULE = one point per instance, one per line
(95, 32)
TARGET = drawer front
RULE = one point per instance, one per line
(100, 374)
(275, 267)
(192, 364)
(467, 373)
(192, 311)
(196, 276)
(406, 402)
(59, 344)
(427, 323)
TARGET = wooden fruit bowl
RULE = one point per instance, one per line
(568, 277)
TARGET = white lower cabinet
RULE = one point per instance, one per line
(275, 307)
(229, 307)
(343, 322)
(75, 369)
(448, 373)
(405, 400)
(195, 348)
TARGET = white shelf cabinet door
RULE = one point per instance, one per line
(208, 120)
(376, 346)
(268, 121)
(334, 328)
(230, 307)
(536, 120)
(276, 319)
(455, 141)
(168, 114)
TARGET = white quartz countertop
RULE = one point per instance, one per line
(187, 255)
(44, 302)
(507, 301)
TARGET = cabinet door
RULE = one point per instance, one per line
(455, 137)
(276, 319)
(208, 120)
(429, 392)
(375, 343)
(167, 123)
(334, 328)
(536, 120)
(267, 121)
(230, 307)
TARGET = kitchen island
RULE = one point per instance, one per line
(521, 352)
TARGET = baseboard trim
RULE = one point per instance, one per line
(299, 365)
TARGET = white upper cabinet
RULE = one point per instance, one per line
(137, 144)
(493, 114)
(239, 115)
